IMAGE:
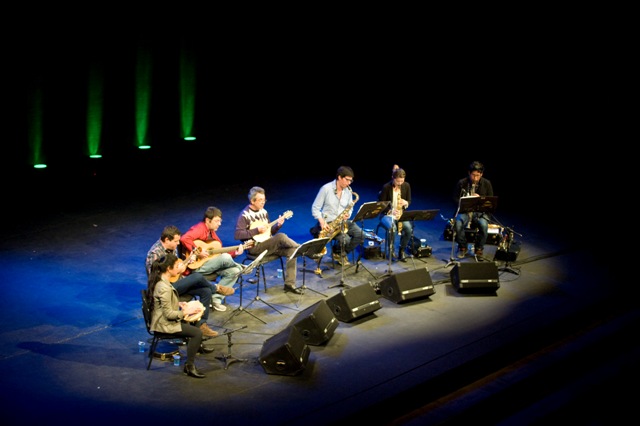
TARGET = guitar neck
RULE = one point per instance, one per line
(222, 250)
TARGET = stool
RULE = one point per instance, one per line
(387, 240)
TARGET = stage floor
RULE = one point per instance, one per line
(72, 322)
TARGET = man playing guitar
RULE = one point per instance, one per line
(221, 264)
(253, 225)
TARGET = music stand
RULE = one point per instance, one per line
(249, 269)
(228, 358)
(413, 215)
(308, 249)
(368, 210)
(482, 203)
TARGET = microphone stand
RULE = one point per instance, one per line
(452, 260)
(506, 246)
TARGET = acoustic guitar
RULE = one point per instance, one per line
(214, 248)
(191, 258)
(267, 234)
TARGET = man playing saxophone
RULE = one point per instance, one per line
(332, 208)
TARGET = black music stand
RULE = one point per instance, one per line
(413, 215)
(228, 358)
(483, 203)
(249, 269)
(367, 210)
(308, 249)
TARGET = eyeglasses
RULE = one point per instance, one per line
(348, 179)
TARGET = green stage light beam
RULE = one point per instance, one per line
(94, 113)
(187, 94)
(143, 98)
(35, 131)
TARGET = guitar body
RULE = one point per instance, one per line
(267, 234)
(213, 248)
(192, 257)
(210, 247)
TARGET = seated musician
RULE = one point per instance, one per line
(213, 258)
(398, 192)
(332, 209)
(253, 225)
(474, 185)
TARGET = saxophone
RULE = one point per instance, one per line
(396, 213)
(335, 227)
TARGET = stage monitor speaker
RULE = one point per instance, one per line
(475, 277)
(316, 324)
(284, 353)
(408, 285)
(354, 302)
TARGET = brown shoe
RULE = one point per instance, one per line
(225, 291)
(462, 252)
(479, 252)
(206, 331)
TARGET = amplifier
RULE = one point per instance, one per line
(509, 255)
(493, 238)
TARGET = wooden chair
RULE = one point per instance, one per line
(157, 336)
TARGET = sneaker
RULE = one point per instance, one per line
(218, 306)
(462, 252)
(206, 331)
(225, 291)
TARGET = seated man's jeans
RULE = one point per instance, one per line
(225, 267)
(479, 221)
(407, 231)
